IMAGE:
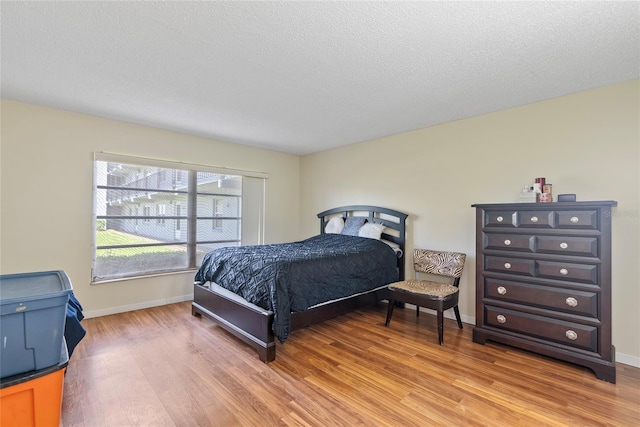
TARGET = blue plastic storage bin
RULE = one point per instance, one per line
(33, 309)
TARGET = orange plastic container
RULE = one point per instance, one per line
(33, 399)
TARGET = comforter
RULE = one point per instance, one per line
(292, 277)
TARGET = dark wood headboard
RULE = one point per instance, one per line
(392, 219)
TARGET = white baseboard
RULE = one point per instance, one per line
(628, 360)
(620, 357)
(447, 314)
(138, 306)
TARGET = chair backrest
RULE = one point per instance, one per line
(439, 262)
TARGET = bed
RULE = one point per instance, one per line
(263, 293)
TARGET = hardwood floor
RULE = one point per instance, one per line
(164, 367)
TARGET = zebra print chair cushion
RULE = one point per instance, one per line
(425, 287)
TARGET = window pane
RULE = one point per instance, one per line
(142, 217)
(203, 249)
(218, 230)
(144, 177)
(219, 184)
(211, 205)
(138, 260)
(219, 208)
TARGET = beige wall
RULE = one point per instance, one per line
(587, 143)
(46, 196)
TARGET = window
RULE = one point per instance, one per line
(187, 210)
(160, 212)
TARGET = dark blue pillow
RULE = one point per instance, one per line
(352, 225)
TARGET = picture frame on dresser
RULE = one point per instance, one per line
(543, 280)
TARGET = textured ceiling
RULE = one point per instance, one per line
(301, 77)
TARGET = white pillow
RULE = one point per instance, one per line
(372, 230)
(335, 225)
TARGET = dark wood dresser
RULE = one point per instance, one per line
(543, 280)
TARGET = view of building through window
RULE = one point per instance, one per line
(153, 219)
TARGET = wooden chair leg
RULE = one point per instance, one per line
(457, 313)
(440, 319)
(392, 304)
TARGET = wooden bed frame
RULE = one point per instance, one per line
(252, 324)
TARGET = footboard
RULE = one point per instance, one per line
(246, 323)
(253, 325)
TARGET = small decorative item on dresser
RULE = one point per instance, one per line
(527, 195)
(566, 197)
(539, 184)
(545, 198)
(547, 193)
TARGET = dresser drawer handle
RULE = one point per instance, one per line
(571, 335)
(564, 271)
(502, 319)
(571, 301)
(574, 219)
(502, 290)
(507, 242)
(500, 219)
(507, 265)
(563, 245)
(534, 219)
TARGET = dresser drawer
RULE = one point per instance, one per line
(510, 265)
(587, 219)
(506, 218)
(542, 218)
(585, 273)
(568, 333)
(536, 219)
(565, 300)
(559, 245)
(562, 245)
(511, 242)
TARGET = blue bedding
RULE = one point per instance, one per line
(292, 277)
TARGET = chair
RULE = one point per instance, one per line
(434, 294)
